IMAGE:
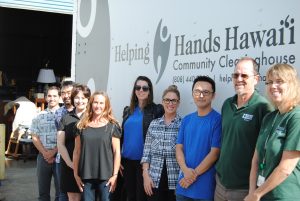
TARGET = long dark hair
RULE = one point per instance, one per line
(134, 99)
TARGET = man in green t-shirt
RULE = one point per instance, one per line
(242, 115)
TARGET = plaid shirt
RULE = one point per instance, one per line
(159, 146)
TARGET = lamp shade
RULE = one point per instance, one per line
(46, 76)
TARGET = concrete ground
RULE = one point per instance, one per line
(20, 183)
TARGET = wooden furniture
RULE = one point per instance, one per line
(13, 144)
(40, 103)
(21, 139)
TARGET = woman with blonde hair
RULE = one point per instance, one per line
(97, 149)
(275, 169)
(160, 167)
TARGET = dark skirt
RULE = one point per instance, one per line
(68, 182)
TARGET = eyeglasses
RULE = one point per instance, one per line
(168, 101)
(244, 76)
(276, 82)
(144, 88)
(204, 93)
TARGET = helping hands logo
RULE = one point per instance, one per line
(161, 49)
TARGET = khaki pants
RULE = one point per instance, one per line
(223, 194)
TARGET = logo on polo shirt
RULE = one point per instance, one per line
(247, 117)
(280, 132)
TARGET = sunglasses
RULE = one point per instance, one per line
(138, 88)
(237, 75)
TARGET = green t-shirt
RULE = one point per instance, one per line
(282, 133)
(240, 128)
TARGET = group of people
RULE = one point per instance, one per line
(249, 152)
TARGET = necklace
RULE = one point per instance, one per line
(262, 165)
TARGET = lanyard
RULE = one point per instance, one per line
(262, 165)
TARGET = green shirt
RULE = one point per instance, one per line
(282, 133)
(240, 128)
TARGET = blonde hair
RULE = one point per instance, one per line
(288, 74)
(171, 88)
(88, 114)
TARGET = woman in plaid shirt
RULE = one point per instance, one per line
(160, 168)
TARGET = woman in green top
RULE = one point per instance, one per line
(275, 171)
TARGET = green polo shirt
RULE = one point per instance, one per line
(240, 128)
(284, 135)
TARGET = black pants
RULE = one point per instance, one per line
(119, 194)
(133, 180)
(162, 193)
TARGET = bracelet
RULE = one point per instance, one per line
(114, 175)
(145, 169)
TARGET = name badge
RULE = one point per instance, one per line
(260, 180)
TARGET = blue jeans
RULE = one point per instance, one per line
(91, 185)
(45, 171)
(183, 198)
(63, 196)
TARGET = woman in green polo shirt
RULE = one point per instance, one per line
(275, 171)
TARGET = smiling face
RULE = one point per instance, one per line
(142, 90)
(66, 94)
(244, 78)
(52, 98)
(170, 103)
(203, 95)
(80, 101)
(98, 105)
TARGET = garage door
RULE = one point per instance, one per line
(55, 6)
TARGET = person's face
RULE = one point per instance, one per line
(203, 94)
(66, 94)
(80, 101)
(276, 89)
(244, 79)
(142, 90)
(52, 98)
(170, 103)
(98, 104)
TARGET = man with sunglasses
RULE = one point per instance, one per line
(198, 145)
(242, 116)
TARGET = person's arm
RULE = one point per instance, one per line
(76, 155)
(62, 148)
(112, 182)
(189, 173)
(148, 183)
(253, 173)
(38, 144)
(286, 166)
(208, 161)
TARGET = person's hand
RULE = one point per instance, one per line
(48, 154)
(112, 183)
(79, 182)
(184, 183)
(148, 183)
(50, 160)
(252, 197)
(190, 175)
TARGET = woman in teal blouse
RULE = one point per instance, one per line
(275, 171)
